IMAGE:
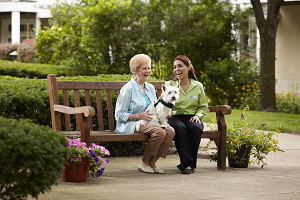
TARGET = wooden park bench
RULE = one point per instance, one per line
(85, 113)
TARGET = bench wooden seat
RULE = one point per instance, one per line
(84, 114)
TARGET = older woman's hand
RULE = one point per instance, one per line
(195, 119)
(146, 116)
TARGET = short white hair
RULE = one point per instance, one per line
(138, 60)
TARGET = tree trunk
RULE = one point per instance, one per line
(267, 98)
(267, 30)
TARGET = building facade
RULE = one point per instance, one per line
(19, 19)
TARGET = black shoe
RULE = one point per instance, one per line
(187, 171)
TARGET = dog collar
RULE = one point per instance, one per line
(169, 105)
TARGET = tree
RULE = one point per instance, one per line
(267, 30)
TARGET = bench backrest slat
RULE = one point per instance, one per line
(67, 116)
(110, 110)
(77, 104)
(99, 110)
(88, 103)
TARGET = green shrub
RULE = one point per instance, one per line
(26, 52)
(31, 70)
(5, 49)
(31, 158)
(288, 103)
(227, 81)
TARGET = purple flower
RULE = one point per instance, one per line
(263, 124)
(94, 156)
(99, 173)
(242, 116)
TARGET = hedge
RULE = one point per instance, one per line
(31, 70)
(31, 158)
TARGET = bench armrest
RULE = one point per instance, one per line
(225, 109)
(88, 111)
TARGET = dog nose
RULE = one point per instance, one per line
(173, 98)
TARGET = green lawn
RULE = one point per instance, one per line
(285, 123)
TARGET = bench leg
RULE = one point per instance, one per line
(85, 130)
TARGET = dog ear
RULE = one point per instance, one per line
(163, 87)
(178, 85)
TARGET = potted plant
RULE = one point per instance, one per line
(244, 140)
(84, 159)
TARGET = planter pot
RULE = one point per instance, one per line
(242, 152)
(81, 172)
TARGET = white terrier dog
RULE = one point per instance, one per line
(162, 108)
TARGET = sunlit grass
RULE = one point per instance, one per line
(285, 123)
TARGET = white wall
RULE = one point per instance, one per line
(287, 71)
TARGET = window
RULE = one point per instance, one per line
(23, 27)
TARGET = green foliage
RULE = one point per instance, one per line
(103, 35)
(228, 82)
(288, 103)
(25, 98)
(31, 70)
(31, 158)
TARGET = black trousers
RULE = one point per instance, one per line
(187, 139)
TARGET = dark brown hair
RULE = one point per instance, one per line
(188, 63)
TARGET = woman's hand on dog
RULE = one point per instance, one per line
(146, 116)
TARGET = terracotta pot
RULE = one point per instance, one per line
(242, 152)
(81, 172)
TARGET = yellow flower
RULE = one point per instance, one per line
(227, 142)
(258, 90)
(270, 149)
(236, 87)
(242, 97)
(231, 150)
(235, 151)
(231, 143)
(234, 140)
(235, 100)
(254, 83)
(237, 94)
(226, 122)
